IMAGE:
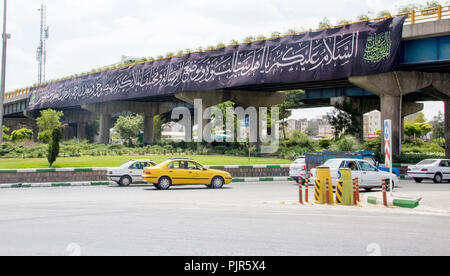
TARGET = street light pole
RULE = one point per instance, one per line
(5, 38)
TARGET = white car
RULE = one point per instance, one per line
(129, 172)
(437, 170)
(369, 176)
(297, 170)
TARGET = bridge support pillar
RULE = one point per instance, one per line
(441, 89)
(391, 87)
(149, 137)
(105, 127)
(447, 127)
(81, 131)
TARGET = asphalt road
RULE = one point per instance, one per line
(198, 221)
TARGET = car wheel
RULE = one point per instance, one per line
(164, 183)
(125, 181)
(217, 182)
(438, 178)
(418, 180)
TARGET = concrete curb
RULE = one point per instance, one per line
(53, 170)
(53, 185)
(395, 201)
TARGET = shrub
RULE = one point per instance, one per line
(5, 131)
(21, 134)
(45, 136)
(299, 138)
(346, 143)
(324, 144)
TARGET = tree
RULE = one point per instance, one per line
(53, 147)
(425, 129)
(291, 102)
(346, 121)
(129, 127)
(417, 129)
(438, 126)
(5, 131)
(412, 130)
(420, 118)
(21, 134)
(49, 119)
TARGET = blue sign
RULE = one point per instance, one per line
(387, 130)
(339, 175)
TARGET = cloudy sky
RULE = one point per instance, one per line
(87, 34)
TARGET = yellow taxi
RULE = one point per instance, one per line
(180, 171)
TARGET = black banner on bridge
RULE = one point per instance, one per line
(358, 49)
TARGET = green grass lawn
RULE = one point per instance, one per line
(112, 161)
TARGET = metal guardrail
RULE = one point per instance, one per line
(430, 14)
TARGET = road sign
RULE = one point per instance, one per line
(388, 148)
(388, 143)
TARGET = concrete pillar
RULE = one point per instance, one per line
(105, 127)
(390, 87)
(447, 127)
(81, 131)
(390, 110)
(149, 137)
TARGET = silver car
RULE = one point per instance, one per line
(129, 172)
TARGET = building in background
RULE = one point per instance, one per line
(317, 128)
(372, 123)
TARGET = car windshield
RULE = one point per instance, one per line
(332, 163)
(300, 161)
(427, 162)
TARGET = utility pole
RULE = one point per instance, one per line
(5, 38)
(41, 54)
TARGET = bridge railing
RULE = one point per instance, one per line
(16, 93)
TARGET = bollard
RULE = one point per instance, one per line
(354, 192)
(307, 190)
(339, 191)
(300, 188)
(345, 176)
(357, 190)
(324, 175)
(383, 184)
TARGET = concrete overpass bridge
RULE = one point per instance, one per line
(422, 74)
